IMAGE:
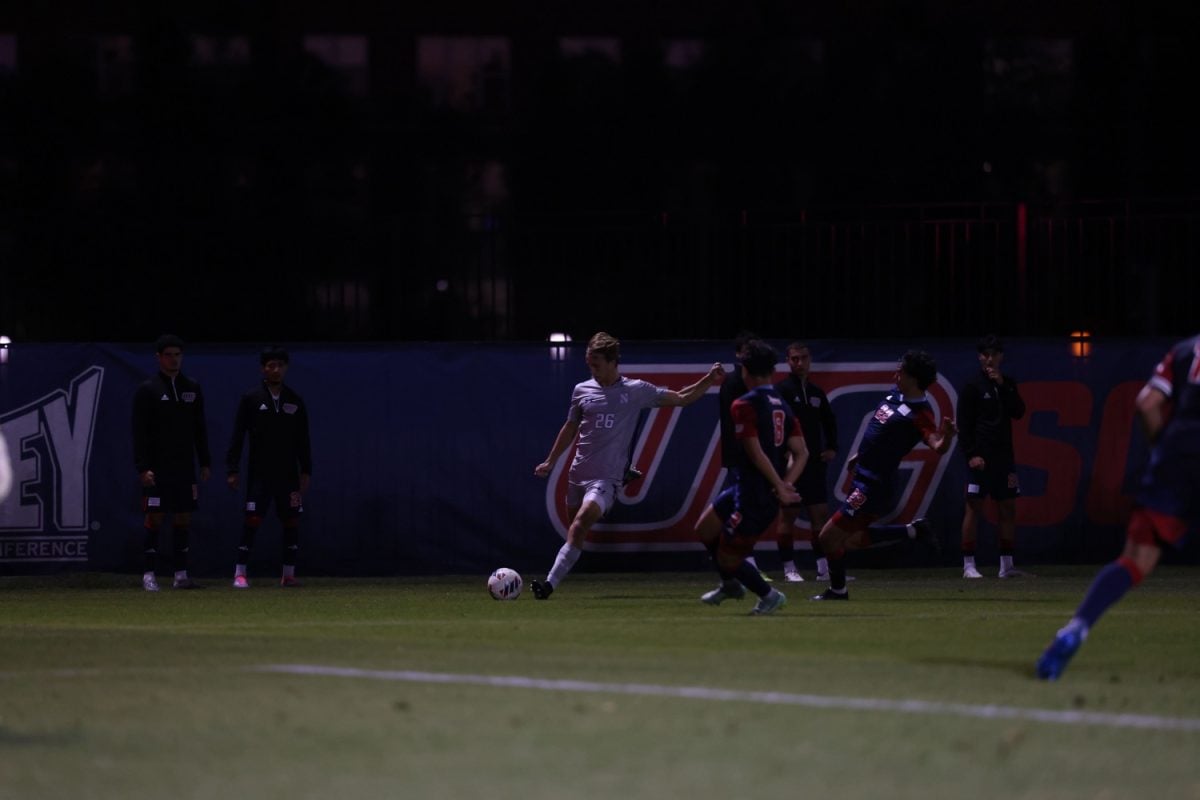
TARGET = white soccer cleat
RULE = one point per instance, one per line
(149, 583)
(792, 576)
(240, 582)
(971, 572)
(1013, 572)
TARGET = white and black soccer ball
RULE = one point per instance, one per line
(505, 584)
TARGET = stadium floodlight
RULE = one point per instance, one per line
(558, 352)
(4, 343)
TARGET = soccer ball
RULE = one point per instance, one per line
(505, 584)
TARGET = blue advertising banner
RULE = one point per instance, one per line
(424, 453)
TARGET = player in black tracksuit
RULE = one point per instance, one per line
(987, 405)
(169, 438)
(279, 468)
(811, 407)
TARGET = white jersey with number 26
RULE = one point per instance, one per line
(607, 417)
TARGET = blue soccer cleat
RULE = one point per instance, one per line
(774, 601)
(1054, 660)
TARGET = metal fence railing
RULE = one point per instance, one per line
(1110, 268)
(1120, 268)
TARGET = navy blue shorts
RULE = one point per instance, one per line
(746, 513)
(1171, 485)
(868, 500)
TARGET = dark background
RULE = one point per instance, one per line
(384, 171)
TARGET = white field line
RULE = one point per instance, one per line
(1088, 718)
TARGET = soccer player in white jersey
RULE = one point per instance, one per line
(603, 416)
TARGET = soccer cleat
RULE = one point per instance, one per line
(1013, 572)
(149, 583)
(290, 582)
(720, 594)
(185, 583)
(971, 572)
(792, 576)
(771, 603)
(541, 589)
(774, 601)
(1054, 659)
(631, 474)
(240, 582)
(830, 594)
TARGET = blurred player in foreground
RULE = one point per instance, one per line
(1168, 500)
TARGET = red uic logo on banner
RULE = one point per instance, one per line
(921, 470)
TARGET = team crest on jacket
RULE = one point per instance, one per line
(884, 413)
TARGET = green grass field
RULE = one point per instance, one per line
(110, 692)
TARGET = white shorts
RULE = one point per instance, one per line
(601, 492)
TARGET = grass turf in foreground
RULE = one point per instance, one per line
(111, 692)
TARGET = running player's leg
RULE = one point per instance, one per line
(586, 504)
(1138, 559)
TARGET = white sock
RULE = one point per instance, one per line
(912, 531)
(181, 575)
(822, 566)
(1005, 563)
(289, 570)
(239, 569)
(147, 575)
(567, 556)
(968, 562)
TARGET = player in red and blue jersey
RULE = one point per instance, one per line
(768, 432)
(1167, 502)
(902, 421)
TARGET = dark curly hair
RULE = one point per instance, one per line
(921, 366)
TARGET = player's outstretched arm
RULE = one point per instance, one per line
(565, 438)
(690, 394)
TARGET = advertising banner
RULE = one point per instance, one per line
(424, 452)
